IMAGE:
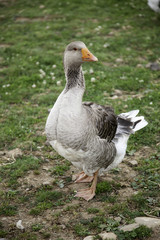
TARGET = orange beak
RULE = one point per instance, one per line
(87, 56)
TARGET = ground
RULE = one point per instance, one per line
(36, 184)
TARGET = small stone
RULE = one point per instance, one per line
(89, 238)
(129, 227)
(148, 65)
(47, 183)
(133, 163)
(119, 60)
(139, 65)
(118, 92)
(148, 221)
(155, 66)
(108, 235)
(114, 97)
(105, 93)
(117, 219)
(63, 226)
(14, 153)
(41, 6)
(46, 168)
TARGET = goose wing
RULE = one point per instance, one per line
(103, 118)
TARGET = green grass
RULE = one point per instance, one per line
(33, 38)
(61, 169)
(139, 233)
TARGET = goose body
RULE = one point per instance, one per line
(89, 135)
(154, 5)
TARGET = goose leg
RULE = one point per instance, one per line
(82, 177)
(88, 193)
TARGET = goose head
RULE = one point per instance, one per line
(77, 53)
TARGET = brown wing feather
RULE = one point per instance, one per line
(104, 119)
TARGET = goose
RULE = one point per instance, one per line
(154, 5)
(91, 136)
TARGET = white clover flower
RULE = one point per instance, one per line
(34, 85)
(42, 72)
(141, 80)
(151, 103)
(41, 75)
(54, 66)
(6, 93)
(4, 86)
(90, 44)
(8, 85)
(123, 77)
(106, 45)
(37, 63)
(53, 78)
(44, 82)
(98, 28)
(41, 6)
(59, 83)
(51, 73)
(84, 71)
(93, 79)
(91, 70)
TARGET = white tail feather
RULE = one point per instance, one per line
(138, 122)
(140, 125)
(130, 114)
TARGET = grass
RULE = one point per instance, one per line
(140, 233)
(124, 36)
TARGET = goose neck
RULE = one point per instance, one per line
(74, 78)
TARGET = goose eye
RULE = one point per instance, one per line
(75, 49)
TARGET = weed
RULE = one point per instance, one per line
(93, 210)
(139, 233)
(103, 187)
(36, 227)
(46, 235)
(81, 230)
(7, 209)
(61, 169)
(48, 196)
(25, 236)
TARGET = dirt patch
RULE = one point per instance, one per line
(9, 157)
(124, 95)
(142, 153)
(33, 180)
(4, 45)
(156, 234)
(3, 68)
(57, 221)
(38, 19)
